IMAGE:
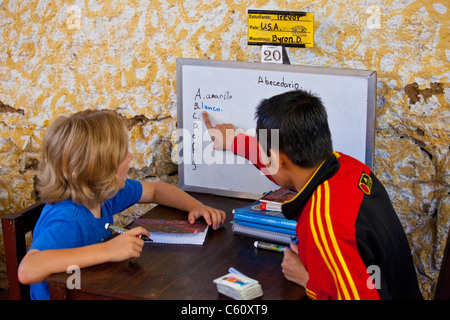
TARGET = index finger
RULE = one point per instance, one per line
(206, 120)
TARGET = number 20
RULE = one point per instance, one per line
(270, 55)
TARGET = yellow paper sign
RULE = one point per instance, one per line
(285, 28)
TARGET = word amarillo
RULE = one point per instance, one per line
(221, 96)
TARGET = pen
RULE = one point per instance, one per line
(233, 270)
(269, 246)
(117, 229)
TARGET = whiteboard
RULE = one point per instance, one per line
(230, 92)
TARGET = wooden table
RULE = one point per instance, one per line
(183, 272)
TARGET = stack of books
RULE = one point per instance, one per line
(273, 200)
(263, 219)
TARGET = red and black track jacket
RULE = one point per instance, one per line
(351, 241)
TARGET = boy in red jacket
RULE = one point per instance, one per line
(351, 242)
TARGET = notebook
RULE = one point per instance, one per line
(174, 231)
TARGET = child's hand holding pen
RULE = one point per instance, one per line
(126, 245)
(292, 267)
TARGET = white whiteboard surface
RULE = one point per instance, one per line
(230, 92)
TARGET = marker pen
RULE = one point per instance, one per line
(233, 270)
(294, 240)
(269, 246)
(120, 230)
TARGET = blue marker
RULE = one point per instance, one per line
(233, 270)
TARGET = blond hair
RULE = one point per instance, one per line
(80, 157)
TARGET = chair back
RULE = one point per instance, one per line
(15, 227)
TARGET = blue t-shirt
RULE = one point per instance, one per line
(66, 225)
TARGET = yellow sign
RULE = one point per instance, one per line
(283, 28)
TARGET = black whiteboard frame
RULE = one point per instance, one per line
(371, 76)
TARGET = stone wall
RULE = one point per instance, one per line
(59, 57)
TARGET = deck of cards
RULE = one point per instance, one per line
(238, 287)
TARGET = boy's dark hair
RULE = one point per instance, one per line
(301, 118)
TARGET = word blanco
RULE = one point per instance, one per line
(211, 108)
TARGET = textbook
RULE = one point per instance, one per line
(291, 232)
(252, 213)
(238, 287)
(274, 199)
(174, 231)
(252, 221)
(255, 231)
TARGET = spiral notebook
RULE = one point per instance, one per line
(174, 231)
